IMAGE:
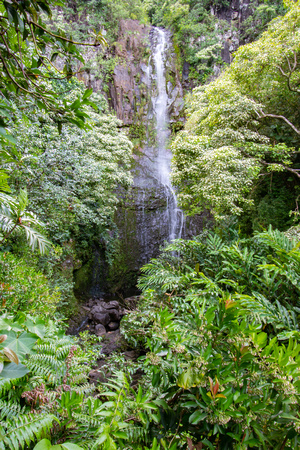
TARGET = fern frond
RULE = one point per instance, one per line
(92, 421)
(60, 348)
(263, 311)
(9, 409)
(27, 428)
(78, 378)
(276, 240)
(214, 244)
(157, 274)
(47, 366)
(7, 384)
(86, 389)
(136, 434)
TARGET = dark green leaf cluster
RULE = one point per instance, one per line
(220, 324)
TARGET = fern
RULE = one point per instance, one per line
(9, 409)
(25, 429)
(60, 348)
(78, 378)
(86, 389)
(137, 434)
(263, 311)
(47, 366)
(7, 384)
(157, 276)
(276, 240)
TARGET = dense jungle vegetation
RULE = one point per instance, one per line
(217, 324)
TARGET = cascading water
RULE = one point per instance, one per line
(162, 155)
(146, 97)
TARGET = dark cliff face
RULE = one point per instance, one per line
(129, 94)
(148, 211)
(235, 14)
(142, 217)
(127, 90)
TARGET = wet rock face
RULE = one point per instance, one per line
(149, 216)
(235, 14)
(129, 89)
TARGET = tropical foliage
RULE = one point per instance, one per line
(217, 323)
(220, 325)
(244, 127)
(201, 27)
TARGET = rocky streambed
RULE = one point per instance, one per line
(102, 318)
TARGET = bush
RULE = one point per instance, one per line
(23, 288)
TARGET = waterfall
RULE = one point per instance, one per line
(150, 215)
(162, 155)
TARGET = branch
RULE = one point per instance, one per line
(20, 65)
(275, 116)
(57, 36)
(42, 57)
(289, 169)
(294, 171)
(12, 78)
(37, 49)
(291, 71)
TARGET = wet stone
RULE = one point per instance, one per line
(114, 315)
(100, 330)
(113, 326)
(111, 305)
(104, 319)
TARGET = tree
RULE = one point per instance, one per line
(28, 50)
(244, 125)
(72, 177)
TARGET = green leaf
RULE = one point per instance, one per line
(7, 136)
(21, 345)
(70, 446)
(14, 371)
(44, 444)
(75, 105)
(87, 93)
(8, 324)
(36, 327)
(196, 417)
(209, 444)
(190, 378)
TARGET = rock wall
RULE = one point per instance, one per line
(236, 14)
(141, 218)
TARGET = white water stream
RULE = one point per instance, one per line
(162, 167)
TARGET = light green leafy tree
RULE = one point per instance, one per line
(72, 176)
(28, 50)
(244, 125)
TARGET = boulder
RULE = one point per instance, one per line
(97, 309)
(114, 304)
(100, 330)
(114, 315)
(104, 318)
(113, 326)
